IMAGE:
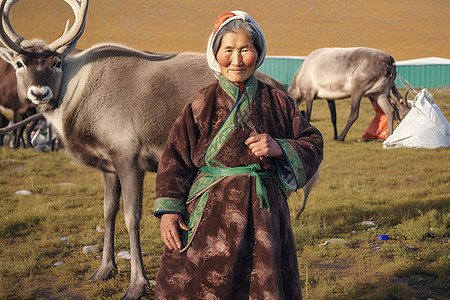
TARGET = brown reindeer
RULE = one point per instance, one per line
(9, 100)
(113, 107)
(340, 73)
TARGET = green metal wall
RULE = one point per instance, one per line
(419, 76)
(281, 68)
(424, 76)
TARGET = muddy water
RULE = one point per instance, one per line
(404, 28)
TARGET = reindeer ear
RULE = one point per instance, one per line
(66, 50)
(7, 55)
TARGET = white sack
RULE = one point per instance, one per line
(423, 127)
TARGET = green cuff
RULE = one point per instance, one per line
(291, 171)
(169, 206)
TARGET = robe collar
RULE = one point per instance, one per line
(236, 92)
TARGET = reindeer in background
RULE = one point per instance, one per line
(339, 73)
(11, 104)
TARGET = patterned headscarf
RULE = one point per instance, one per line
(221, 21)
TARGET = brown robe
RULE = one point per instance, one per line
(238, 250)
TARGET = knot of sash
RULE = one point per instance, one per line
(254, 170)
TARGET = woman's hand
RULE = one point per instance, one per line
(263, 145)
(169, 230)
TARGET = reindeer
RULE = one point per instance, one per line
(339, 73)
(113, 107)
(4, 121)
(9, 101)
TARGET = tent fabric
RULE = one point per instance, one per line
(423, 127)
(378, 128)
(424, 61)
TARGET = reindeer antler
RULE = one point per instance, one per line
(71, 36)
(8, 36)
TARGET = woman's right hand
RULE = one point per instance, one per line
(169, 230)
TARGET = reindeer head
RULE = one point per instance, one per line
(400, 106)
(39, 66)
(403, 110)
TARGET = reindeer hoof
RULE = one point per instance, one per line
(103, 273)
(136, 291)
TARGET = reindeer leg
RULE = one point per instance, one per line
(332, 107)
(309, 102)
(110, 207)
(306, 190)
(132, 181)
(354, 113)
(18, 136)
(385, 105)
(28, 131)
(3, 123)
(18, 133)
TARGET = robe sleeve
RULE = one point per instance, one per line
(302, 149)
(176, 170)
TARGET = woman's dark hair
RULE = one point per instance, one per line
(236, 26)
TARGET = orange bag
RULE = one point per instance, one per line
(378, 128)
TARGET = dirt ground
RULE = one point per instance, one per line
(406, 29)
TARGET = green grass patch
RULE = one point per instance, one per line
(404, 192)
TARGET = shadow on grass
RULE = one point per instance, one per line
(20, 228)
(349, 217)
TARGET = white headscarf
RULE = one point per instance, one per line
(221, 21)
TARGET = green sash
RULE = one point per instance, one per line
(254, 170)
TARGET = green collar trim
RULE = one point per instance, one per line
(243, 99)
(234, 90)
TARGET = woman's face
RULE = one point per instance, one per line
(237, 56)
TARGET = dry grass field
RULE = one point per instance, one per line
(404, 28)
(404, 192)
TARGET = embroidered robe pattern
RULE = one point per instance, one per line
(235, 248)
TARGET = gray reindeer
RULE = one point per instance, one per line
(113, 107)
(339, 73)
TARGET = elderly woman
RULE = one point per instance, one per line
(233, 154)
